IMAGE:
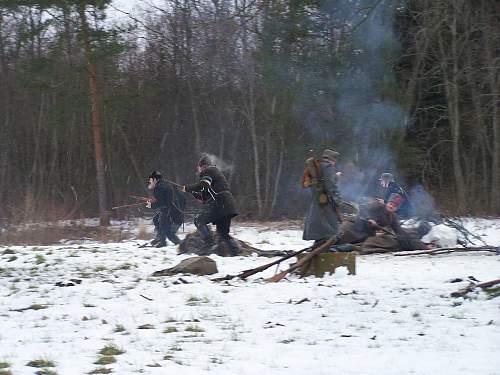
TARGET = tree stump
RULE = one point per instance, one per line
(327, 263)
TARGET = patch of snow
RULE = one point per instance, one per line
(395, 316)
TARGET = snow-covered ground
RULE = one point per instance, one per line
(395, 316)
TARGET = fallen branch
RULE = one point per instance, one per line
(446, 250)
(149, 299)
(302, 301)
(304, 260)
(462, 292)
(272, 253)
(246, 273)
(465, 233)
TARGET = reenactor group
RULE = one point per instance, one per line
(218, 208)
(375, 226)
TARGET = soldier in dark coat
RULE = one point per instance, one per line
(169, 216)
(377, 228)
(219, 206)
(390, 187)
(322, 218)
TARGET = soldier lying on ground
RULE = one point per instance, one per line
(377, 229)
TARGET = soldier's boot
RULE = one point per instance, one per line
(205, 233)
(233, 246)
(173, 238)
(162, 240)
(158, 232)
(155, 241)
(209, 245)
(161, 244)
(172, 234)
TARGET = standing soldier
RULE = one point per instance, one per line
(219, 206)
(169, 217)
(323, 215)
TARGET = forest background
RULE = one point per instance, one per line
(90, 106)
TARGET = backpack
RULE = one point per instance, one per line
(313, 177)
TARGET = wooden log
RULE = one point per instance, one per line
(462, 292)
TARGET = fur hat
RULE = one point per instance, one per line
(205, 161)
(155, 175)
(330, 155)
(389, 177)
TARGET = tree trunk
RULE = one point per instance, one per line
(196, 124)
(492, 61)
(255, 144)
(96, 119)
(278, 174)
(452, 95)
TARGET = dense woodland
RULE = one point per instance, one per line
(89, 107)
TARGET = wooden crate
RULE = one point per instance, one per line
(327, 263)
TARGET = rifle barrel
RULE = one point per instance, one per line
(128, 205)
(140, 198)
(378, 227)
(173, 183)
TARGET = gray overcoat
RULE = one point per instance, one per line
(321, 221)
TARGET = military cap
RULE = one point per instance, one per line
(205, 161)
(330, 155)
(155, 175)
(386, 177)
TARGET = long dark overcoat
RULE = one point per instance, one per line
(166, 200)
(321, 220)
(213, 190)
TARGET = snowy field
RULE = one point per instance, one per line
(395, 316)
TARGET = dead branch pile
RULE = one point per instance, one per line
(446, 250)
(462, 292)
(314, 250)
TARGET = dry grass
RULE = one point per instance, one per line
(101, 370)
(52, 234)
(41, 363)
(111, 350)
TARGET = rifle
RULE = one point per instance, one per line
(378, 227)
(128, 205)
(252, 271)
(173, 183)
(332, 240)
(143, 199)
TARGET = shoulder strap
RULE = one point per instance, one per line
(317, 166)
